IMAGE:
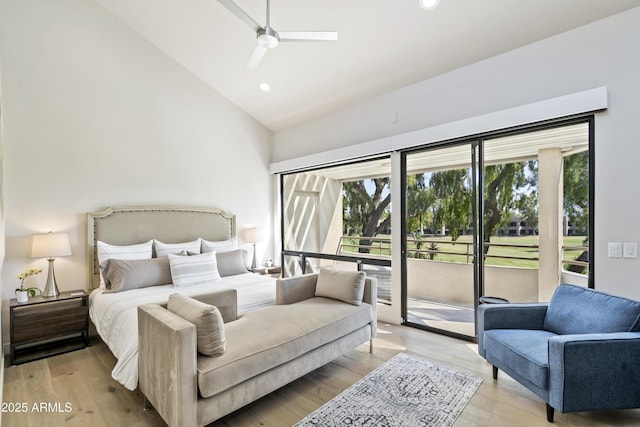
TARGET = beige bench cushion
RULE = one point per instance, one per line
(263, 339)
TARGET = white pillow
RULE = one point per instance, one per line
(164, 249)
(219, 246)
(193, 270)
(347, 286)
(128, 252)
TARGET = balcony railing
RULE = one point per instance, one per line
(460, 251)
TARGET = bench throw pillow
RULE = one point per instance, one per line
(207, 320)
(347, 286)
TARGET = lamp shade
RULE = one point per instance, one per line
(50, 245)
(253, 235)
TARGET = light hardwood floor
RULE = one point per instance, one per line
(83, 378)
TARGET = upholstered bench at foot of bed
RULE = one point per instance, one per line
(266, 349)
(265, 338)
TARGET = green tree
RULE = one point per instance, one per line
(576, 188)
(452, 200)
(527, 202)
(420, 198)
(366, 214)
(452, 190)
(501, 183)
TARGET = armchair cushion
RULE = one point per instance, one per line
(522, 351)
(578, 310)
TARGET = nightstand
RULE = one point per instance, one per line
(267, 271)
(42, 327)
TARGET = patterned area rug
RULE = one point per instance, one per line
(405, 391)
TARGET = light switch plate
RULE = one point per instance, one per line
(630, 250)
(615, 250)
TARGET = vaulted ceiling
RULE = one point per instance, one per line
(382, 44)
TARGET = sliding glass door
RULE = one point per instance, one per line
(506, 216)
(441, 238)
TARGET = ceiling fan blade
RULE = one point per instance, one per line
(235, 9)
(256, 57)
(300, 36)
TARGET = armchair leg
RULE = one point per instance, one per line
(495, 372)
(549, 413)
(147, 405)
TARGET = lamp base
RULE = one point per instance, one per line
(51, 288)
(254, 264)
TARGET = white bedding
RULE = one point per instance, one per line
(116, 316)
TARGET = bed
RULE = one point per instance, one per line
(114, 313)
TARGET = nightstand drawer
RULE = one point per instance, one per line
(54, 319)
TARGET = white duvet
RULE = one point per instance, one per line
(116, 316)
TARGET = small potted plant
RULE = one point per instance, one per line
(22, 293)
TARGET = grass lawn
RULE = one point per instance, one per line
(459, 250)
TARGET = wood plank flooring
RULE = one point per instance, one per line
(83, 379)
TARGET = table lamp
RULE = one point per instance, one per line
(50, 246)
(253, 235)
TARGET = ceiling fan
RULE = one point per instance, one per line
(268, 38)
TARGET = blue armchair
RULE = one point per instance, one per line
(579, 352)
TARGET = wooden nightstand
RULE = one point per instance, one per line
(267, 271)
(43, 326)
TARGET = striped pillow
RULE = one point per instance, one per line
(164, 249)
(193, 270)
(107, 251)
(207, 320)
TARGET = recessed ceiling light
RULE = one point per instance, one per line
(429, 4)
(265, 87)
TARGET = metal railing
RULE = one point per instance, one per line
(430, 248)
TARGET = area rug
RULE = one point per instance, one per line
(404, 391)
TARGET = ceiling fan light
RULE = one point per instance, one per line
(268, 37)
(428, 4)
(268, 41)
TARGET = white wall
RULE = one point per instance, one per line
(1, 242)
(94, 116)
(604, 53)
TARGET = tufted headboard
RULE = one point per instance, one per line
(127, 225)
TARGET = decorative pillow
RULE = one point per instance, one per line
(139, 251)
(121, 275)
(164, 249)
(347, 286)
(220, 246)
(231, 263)
(193, 270)
(206, 318)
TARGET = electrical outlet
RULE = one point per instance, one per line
(615, 250)
(630, 250)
